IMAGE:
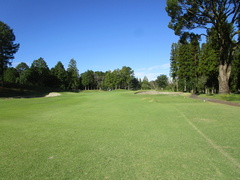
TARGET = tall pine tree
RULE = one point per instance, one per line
(174, 67)
(7, 48)
(73, 75)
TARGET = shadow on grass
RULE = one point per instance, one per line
(17, 91)
(21, 93)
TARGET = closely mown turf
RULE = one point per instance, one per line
(118, 135)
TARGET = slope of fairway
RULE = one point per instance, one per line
(118, 135)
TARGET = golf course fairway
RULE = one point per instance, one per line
(118, 135)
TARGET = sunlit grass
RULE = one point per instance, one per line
(118, 135)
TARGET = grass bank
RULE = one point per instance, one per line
(118, 135)
(223, 97)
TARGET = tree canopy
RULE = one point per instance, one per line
(61, 75)
(220, 17)
(7, 47)
(162, 81)
(73, 74)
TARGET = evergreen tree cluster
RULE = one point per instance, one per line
(117, 79)
(195, 68)
(39, 75)
(219, 21)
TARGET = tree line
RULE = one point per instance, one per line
(39, 75)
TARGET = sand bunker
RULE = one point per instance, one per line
(53, 94)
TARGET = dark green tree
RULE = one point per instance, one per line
(183, 60)
(208, 68)
(28, 77)
(73, 75)
(145, 83)
(135, 84)
(109, 81)
(11, 75)
(174, 66)
(118, 78)
(7, 48)
(61, 75)
(21, 67)
(193, 62)
(126, 75)
(235, 76)
(40, 72)
(162, 81)
(88, 80)
(221, 16)
(99, 78)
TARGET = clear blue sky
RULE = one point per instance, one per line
(100, 35)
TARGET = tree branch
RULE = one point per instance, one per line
(236, 33)
(237, 11)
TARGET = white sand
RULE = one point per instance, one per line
(53, 94)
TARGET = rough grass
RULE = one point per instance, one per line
(224, 97)
(118, 135)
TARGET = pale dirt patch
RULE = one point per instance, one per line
(156, 92)
(151, 100)
(51, 157)
(53, 94)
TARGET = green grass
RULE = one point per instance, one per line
(17, 92)
(224, 97)
(118, 135)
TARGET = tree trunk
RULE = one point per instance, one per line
(2, 72)
(223, 78)
(2, 80)
(177, 85)
(185, 85)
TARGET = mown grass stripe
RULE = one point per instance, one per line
(211, 142)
